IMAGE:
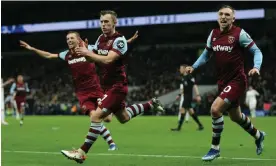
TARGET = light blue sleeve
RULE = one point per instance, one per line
(27, 87)
(63, 54)
(204, 57)
(90, 47)
(12, 90)
(247, 42)
(209, 42)
(258, 56)
(120, 45)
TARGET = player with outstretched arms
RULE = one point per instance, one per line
(19, 91)
(251, 101)
(109, 52)
(3, 84)
(86, 81)
(227, 44)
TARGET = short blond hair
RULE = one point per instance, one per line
(111, 12)
(75, 32)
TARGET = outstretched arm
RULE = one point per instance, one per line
(133, 38)
(7, 82)
(42, 53)
(203, 58)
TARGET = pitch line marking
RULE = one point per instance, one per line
(140, 155)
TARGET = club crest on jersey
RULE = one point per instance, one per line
(231, 39)
(109, 42)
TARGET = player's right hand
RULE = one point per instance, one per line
(25, 45)
(254, 71)
(189, 69)
(177, 97)
(83, 43)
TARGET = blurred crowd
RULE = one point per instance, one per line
(154, 69)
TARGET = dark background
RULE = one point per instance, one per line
(38, 12)
(154, 68)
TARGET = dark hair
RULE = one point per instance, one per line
(227, 6)
(75, 32)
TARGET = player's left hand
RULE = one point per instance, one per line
(82, 51)
(133, 38)
(253, 72)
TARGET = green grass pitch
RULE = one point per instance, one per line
(144, 141)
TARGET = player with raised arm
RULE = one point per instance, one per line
(109, 52)
(251, 101)
(227, 43)
(188, 84)
(86, 81)
(3, 84)
(19, 91)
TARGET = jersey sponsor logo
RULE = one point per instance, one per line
(20, 88)
(223, 48)
(231, 39)
(120, 44)
(102, 52)
(77, 60)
